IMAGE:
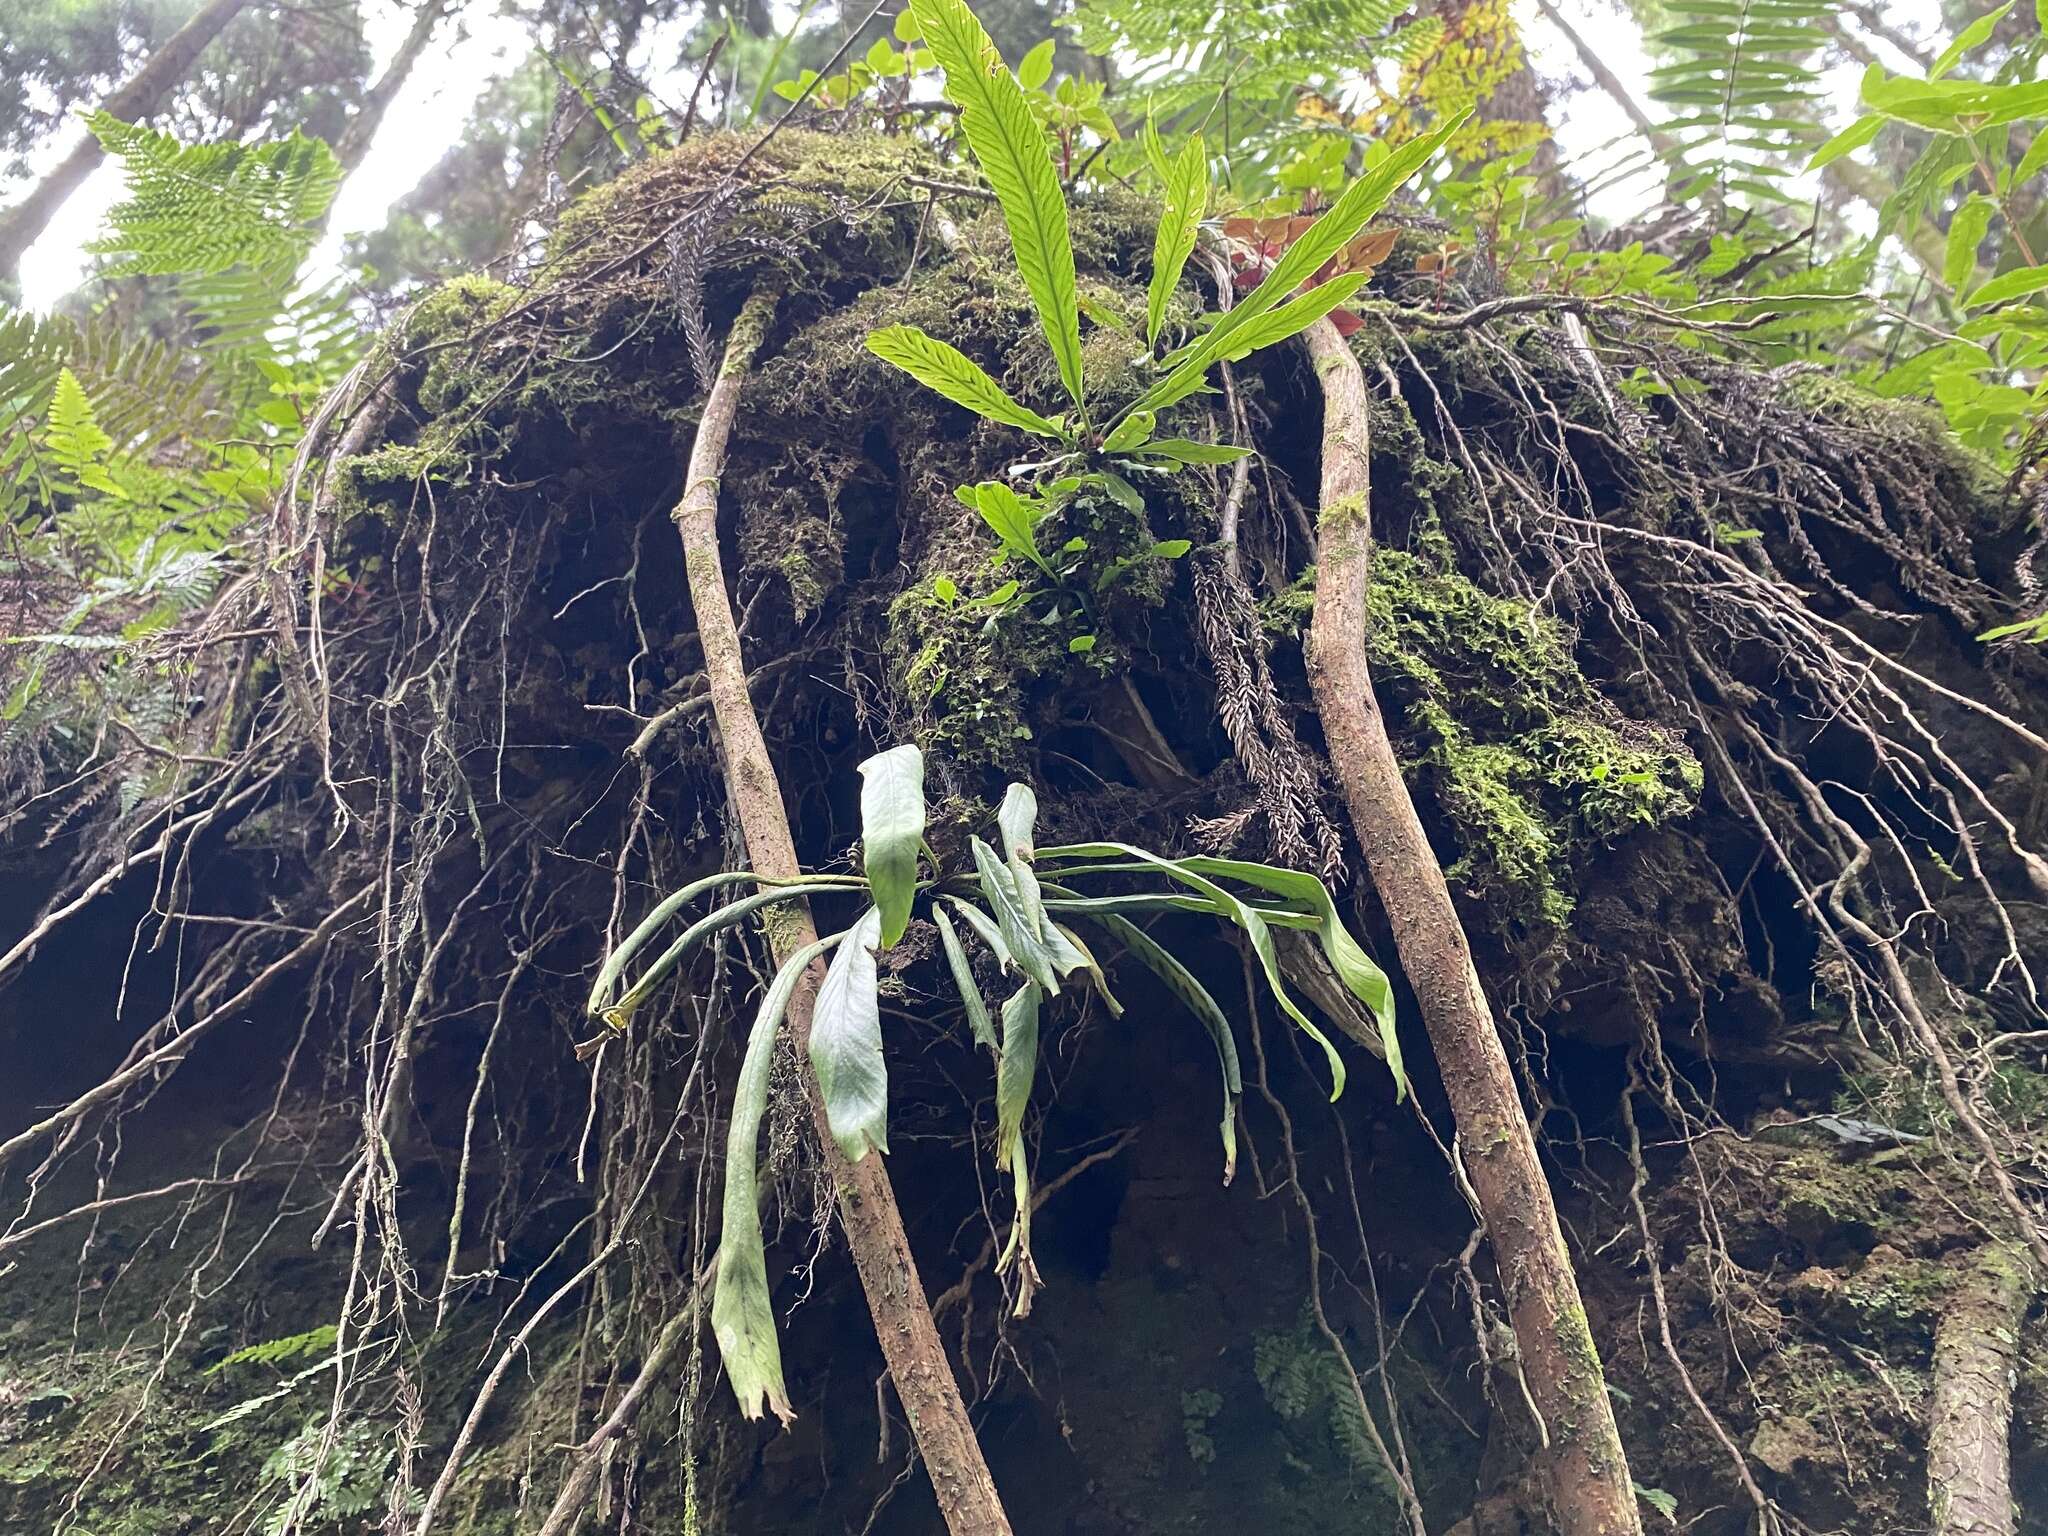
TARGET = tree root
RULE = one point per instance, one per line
(867, 1203)
(1589, 1481)
(1976, 1357)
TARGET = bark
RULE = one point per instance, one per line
(867, 1204)
(1976, 1358)
(1587, 1472)
(26, 220)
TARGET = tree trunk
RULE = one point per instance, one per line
(1976, 1355)
(362, 128)
(867, 1204)
(26, 220)
(1588, 1473)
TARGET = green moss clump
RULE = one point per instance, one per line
(1533, 767)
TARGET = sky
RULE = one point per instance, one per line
(434, 107)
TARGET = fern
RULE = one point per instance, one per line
(1239, 71)
(203, 208)
(1742, 80)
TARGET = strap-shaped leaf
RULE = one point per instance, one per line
(1065, 903)
(1181, 982)
(963, 977)
(1007, 141)
(892, 818)
(1290, 319)
(986, 930)
(1301, 260)
(1240, 912)
(620, 1014)
(1359, 972)
(944, 368)
(1070, 954)
(1182, 450)
(615, 962)
(1015, 1069)
(742, 1312)
(846, 1045)
(1180, 221)
(1019, 925)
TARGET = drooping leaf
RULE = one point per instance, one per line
(1130, 433)
(1180, 222)
(1238, 911)
(846, 1045)
(620, 1014)
(1965, 234)
(985, 929)
(1181, 982)
(963, 977)
(1069, 955)
(742, 1310)
(615, 963)
(1359, 972)
(1006, 140)
(948, 371)
(892, 816)
(1015, 1069)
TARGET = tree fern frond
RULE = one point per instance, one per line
(1742, 80)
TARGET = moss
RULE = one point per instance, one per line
(1533, 767)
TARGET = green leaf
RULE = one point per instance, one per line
(1007, 142)
(892, 818)
(1015, 1068)
(963, 978)
(1035, 68)
(1172, 549)
(1975, 35)
(1182, 450)
(1317, 245)
(742, 1310)
(1080, 645)
(2009, 285)
(1013, 519)
(620, 1014)
(1952, 106)
(1359, 972)
(1069, 955)
(1238, 911)
(1018, 924)
(950, 372)
(846, 1045)
(1965, 234)
(1181, 982)
(1130, 433)
(1180, 222)
(986, 930)
(1851, 138)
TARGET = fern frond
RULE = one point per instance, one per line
(203, 208)
(1743, 79)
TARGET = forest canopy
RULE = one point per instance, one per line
(987, 767)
